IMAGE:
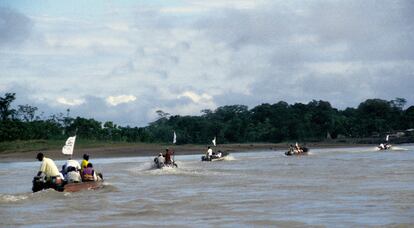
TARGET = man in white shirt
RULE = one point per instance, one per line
(72, 175)
(209, 152)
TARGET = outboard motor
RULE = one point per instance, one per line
(38, 183)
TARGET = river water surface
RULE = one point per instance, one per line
(346, 187)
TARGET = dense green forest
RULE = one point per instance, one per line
(277, 122)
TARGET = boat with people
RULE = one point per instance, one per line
(160, 165)
(219, 156)
(72, 178)
(386, 145)
(165, 160)
(297, 150)
(40, 183)
(214, 156)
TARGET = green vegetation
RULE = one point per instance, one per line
(53, 144)
(274, 123)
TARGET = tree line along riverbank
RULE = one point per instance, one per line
(315, 121)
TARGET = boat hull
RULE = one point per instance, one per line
(39, 185)
(163, 165)
(75, 187)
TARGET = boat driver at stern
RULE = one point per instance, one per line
(49, 169)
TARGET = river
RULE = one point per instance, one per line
(343, 187)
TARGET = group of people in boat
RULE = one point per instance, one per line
(72, 172)
(296, 149)
(165, 159)
(212, 155)
(384, 146)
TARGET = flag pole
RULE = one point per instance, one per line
(174, 141)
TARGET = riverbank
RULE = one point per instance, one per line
(141, 149)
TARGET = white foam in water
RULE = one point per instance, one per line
(229, 158)
(398, 148)
(12, 198)
(393, 148)
(67, 194)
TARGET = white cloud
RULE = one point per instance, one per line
(186, 56)
(70, 102)
(116, 100)
(203, 98)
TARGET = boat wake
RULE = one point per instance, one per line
(191, 168)
(229, 158)
(6, 198)
(23, 197)
(396, 148)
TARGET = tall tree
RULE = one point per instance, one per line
(6, 112)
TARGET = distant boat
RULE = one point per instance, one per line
(219, 156)
(385, 146)
(216, 157)
(297, 150)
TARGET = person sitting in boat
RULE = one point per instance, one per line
(387, 146)
(291, 149)
(49, 169)
(168, 157)
(85, 162)
(298, 149)
(72, 175)
(382, 146)
(88, 173)
(70, 163)
(209, 152)
(160, 160)
(218, 154)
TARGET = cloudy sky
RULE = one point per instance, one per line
(123, 60)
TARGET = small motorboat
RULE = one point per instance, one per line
(294, 151)
(384, 146)
(39, 184)
(160, 165)
(215, 157)
(59, 184)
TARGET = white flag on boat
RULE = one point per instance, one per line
(69, 145)
(175, 138)
(214, 141)
(386, 138)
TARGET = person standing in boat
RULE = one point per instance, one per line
(168, 157)
(49, 169)
(209, 152)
